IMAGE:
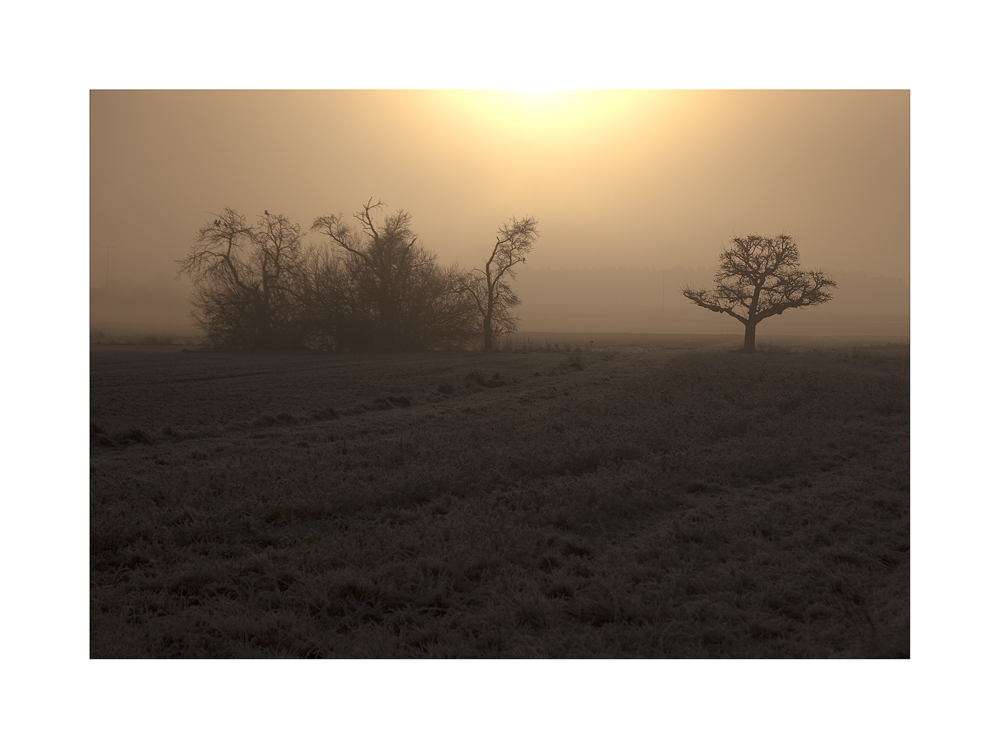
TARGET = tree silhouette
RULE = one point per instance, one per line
(392, 292)
(248, 281)
(489, 286)
(759, 277)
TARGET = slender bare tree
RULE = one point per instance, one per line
(759, 277)
(489, 287)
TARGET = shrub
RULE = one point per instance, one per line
(135, 435)
(495, 381)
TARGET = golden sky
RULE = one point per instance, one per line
(654, 179)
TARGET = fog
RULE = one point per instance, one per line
(636, 192)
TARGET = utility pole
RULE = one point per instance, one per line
(107, 270)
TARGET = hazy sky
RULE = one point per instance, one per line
(616, 178)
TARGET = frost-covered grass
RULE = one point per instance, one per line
(608, 503)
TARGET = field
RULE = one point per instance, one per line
(583, 501)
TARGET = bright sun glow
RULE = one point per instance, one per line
(564, 116)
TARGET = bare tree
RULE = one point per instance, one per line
(395, 294)
(759, 277)
(436, 310)
(336, 312)
(489, 286)
(248, 281)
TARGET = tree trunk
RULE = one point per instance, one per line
(749, 338)
(488, 335)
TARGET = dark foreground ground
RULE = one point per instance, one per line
(610, 502)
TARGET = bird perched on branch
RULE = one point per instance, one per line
(266, 213)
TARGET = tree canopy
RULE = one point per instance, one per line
(248, 281)
(489, 287)
(759, 277)
(393, 293)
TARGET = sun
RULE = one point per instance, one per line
(546, 118)
(536, 90)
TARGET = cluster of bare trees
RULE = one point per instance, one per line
(372, 286)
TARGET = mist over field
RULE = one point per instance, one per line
(635, 192)
(573, 300)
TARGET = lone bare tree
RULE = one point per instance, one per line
(489, 286)
(759, 277)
